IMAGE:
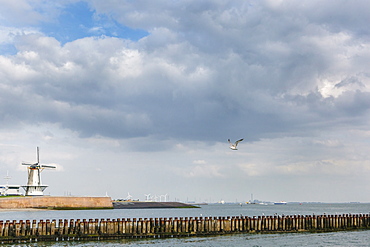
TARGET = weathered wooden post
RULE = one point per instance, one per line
(1, 228)
(134, 226)
(22, 229)
(102, 227)
(276, 223)
(34, 228)
(228, 224)
(53, 227)
(85, 226)
(217, 224)
(172, 225)
(42, 228)
(248, 224)
(181, 226)
(46, 231)
(326, 222)
(6, 228)
(122, 225)
(60, 227)
(17, 229)
(184, 225)
(195, 225)
(148, 226)
(201, 225)
(92, 227)
(320, 222)
(314, 222)
(283, 223)
(156, 225)
(152, 226)
(109, 226)
(79, 227)
(258, 224)
(238, 224)
(27, 228)
(142, 226)
(207, 226)
(71, 227)
(264, 223)
(113, 228)
(270, 223)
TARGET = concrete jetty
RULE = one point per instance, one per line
(104, 229)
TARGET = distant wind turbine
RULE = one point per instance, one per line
(233, 146)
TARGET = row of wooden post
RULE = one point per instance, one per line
(95, 229)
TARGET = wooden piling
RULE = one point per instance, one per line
(76, 229)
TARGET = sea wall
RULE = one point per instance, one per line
(55, 202)
(95, 229)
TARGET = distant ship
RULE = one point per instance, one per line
(280, 203)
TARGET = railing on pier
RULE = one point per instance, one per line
(95, 229)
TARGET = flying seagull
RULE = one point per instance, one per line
(233, 146)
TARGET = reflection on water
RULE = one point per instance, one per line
(344, 239)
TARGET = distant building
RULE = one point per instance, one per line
(10, 190)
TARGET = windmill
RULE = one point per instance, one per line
(128, 197)
(34, 186)
(147, 197)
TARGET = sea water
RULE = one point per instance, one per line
(343, 238)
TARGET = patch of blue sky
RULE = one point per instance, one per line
(78, 21)
(7, 49)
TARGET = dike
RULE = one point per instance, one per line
(55, 202)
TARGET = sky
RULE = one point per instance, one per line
(140, 97)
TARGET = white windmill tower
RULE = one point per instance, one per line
(34, 186)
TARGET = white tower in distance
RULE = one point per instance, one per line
(34, 186)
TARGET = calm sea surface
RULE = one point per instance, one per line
(354, 238)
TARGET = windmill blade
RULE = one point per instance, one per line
(38, 157)
(26, 164)
(48, 166)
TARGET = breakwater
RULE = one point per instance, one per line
(102, 229)
(138, 205)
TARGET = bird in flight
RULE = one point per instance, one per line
(233, 146)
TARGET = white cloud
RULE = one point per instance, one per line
(251, 169)
(202, 170)
(199, 162)
(286, 77)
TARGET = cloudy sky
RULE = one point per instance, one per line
(140, 97)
